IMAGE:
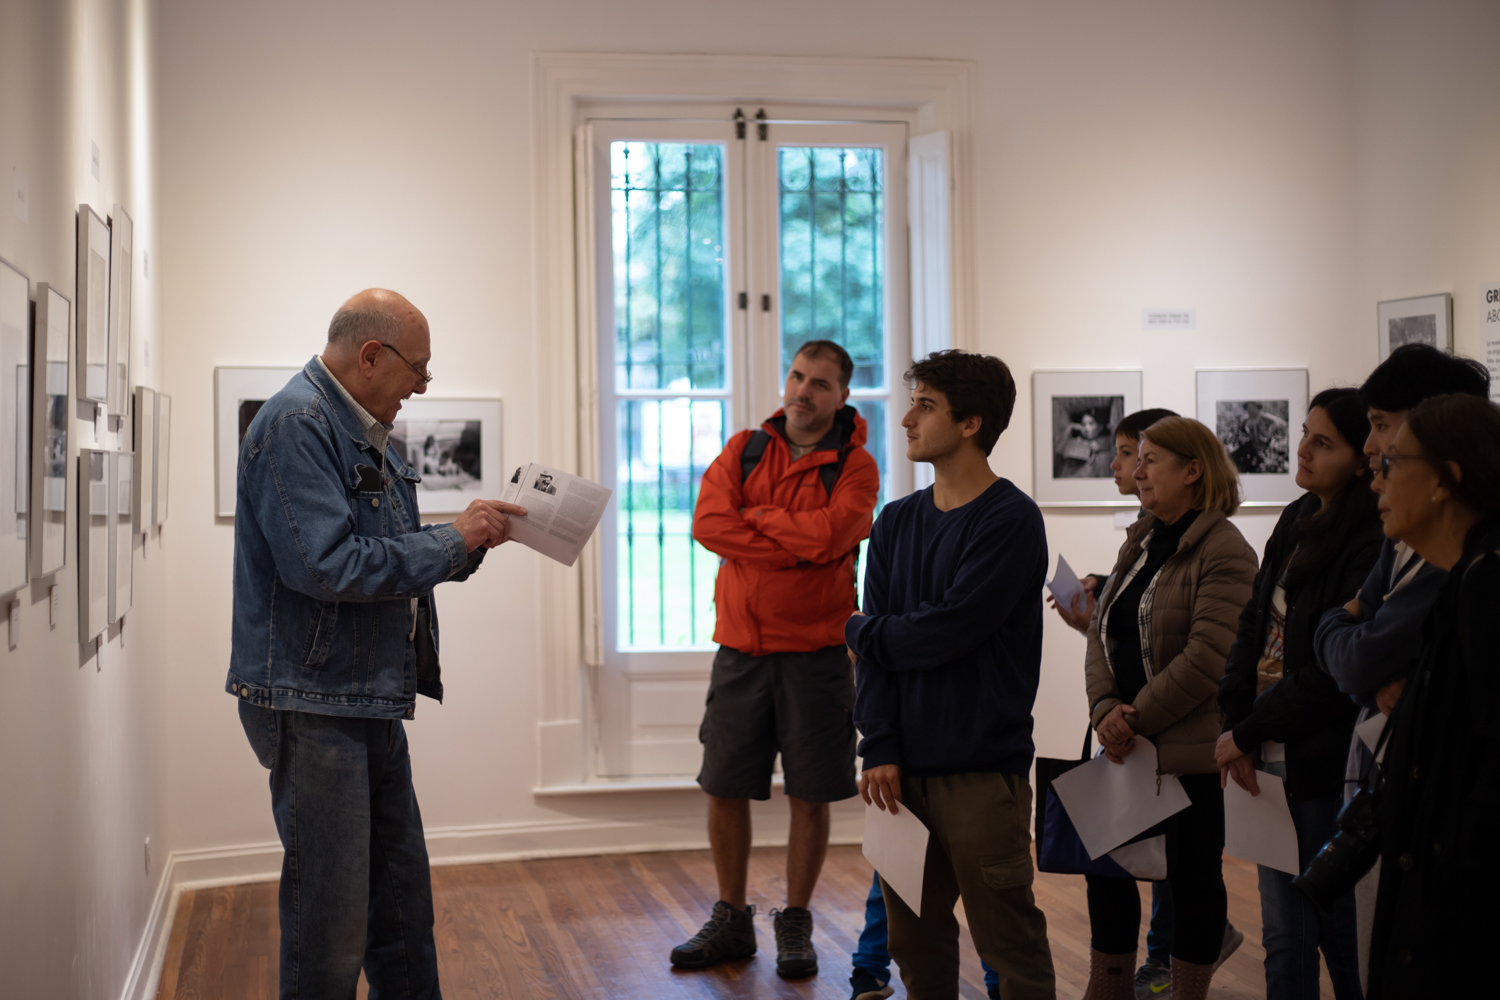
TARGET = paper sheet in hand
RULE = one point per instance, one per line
(897, 848)
(1065, 585)
(562, 510)
(1258, 828)
(1110, 803)
(1369, 731)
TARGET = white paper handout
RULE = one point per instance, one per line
(562, 510)
(1369, 731)
(1258, 828)
(1110, 803)
(896, 846)
(1065, 585)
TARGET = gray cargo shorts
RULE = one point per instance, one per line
(798, 704)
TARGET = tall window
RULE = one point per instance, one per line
(717, 257)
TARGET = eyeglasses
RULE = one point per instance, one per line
(1387, 459)
(419, 373)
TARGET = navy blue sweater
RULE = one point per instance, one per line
(951, 649)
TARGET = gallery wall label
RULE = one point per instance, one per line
(1169, 319)
(1489, 336)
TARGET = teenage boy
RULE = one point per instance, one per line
(1371, 644)
(948, 652)
(786, 508)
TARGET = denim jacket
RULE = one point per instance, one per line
(328, 558)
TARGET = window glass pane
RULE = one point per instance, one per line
(877, 441)
(832, 209)
(667, 201)
(666, 580)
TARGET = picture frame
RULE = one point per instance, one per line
(163, 450)
(1426, 319)
(121, 533)
(121, 281)
(91, 300)
(93, 543)
(15, 420)
(144, 498)
(1073, 415)
(51, 427)
(1258, 413)
(454, 445)
(239, 394)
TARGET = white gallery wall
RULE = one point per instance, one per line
(79, 793)
(1277, 167)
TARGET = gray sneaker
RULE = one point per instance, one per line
(729, 934)
(796, 958)
(1232, 940)
(1153, 981)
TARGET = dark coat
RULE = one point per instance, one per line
(1440, 810)
(1305, 709)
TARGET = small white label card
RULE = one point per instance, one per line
(15, 623)
(1169, 319)
(1258, 828)
(1489, 336)
(54, 604)
(896, 846)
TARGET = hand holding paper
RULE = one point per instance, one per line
(562, 510)
(1110, 803)
(896, 845)
(1064, 584)
(1259, 828)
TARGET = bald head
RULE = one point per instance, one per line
(362, 328)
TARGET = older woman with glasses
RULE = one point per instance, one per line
(1440, 809)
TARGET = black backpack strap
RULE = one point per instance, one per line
(831, 471)
(755, 448)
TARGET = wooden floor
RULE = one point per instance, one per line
(601, 927)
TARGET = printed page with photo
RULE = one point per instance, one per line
(562, 510)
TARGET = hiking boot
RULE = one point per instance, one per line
(1153, 980)
(796, 958)
(1232, 940)
(868, 987)
(729, 934)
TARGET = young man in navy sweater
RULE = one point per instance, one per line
(948, 652)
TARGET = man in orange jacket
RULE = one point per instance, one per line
(786, 508)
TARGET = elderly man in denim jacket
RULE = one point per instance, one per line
(335, 634)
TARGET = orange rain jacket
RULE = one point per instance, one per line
(787, 580)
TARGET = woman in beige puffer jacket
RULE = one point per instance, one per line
(1157, 646)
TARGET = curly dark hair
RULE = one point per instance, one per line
(975, 384)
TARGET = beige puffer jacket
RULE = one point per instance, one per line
(1195, 610)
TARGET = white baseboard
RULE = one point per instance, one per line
(454, 845)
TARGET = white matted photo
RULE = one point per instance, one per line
(15, 426)
(121, 264)
(145, 458)
(121, 533)
(92, 302)
(239, 393)
(1258, 414)
(51, 399)
(1427, 319)
(1073, 419)
(454, 445)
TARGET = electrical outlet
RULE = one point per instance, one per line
(148, 855)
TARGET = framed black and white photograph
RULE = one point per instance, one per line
(122, 528)
(163, 457)
(144, 502)
(93, 543)
(121, 263)
(15, 423)
(454, 445)
(1427, 319)
(1258, 414)
(239, 393)
(92, 304)
(1073, 419)
(51, 399)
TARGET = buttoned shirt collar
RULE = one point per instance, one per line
(376, 433)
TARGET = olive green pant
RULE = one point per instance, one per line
(979, 850)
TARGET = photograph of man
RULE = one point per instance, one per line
(544, 484)
(949, 651)
(785, 507)
(334, 634)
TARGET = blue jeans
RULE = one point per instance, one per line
(1159, 937)
(355, 888)
(871, 953)
(1294, 930)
